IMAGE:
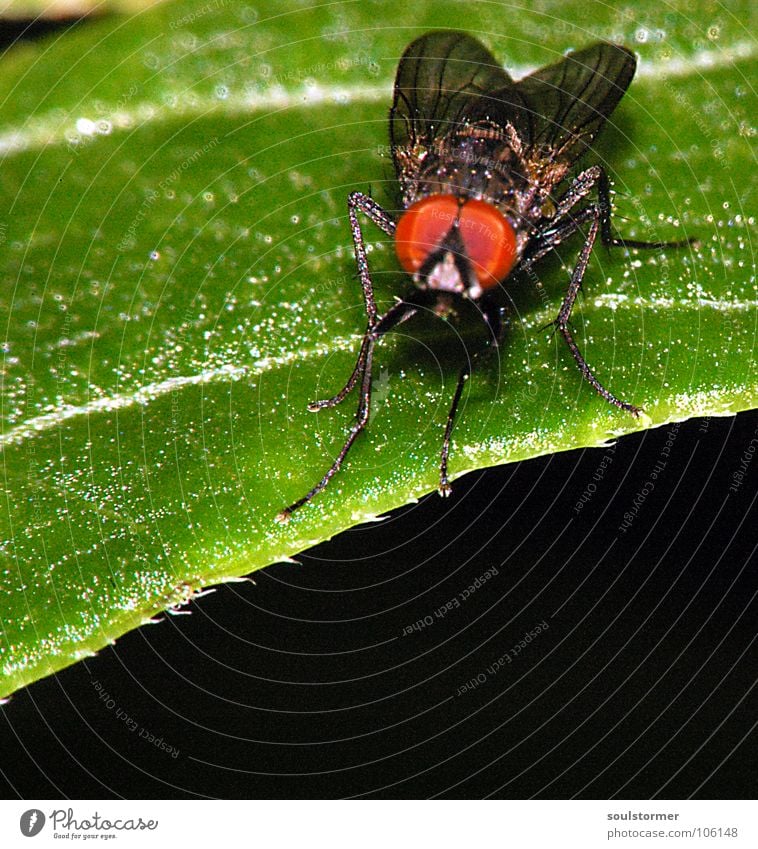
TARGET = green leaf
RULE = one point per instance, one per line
(178, 282)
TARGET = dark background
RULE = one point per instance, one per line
(303, 683)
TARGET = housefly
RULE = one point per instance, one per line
(483, 164)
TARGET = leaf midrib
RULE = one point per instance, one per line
(598, 304)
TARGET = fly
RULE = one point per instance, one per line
(481, 160)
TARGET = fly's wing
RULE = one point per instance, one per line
(567, 103)
(443, 79)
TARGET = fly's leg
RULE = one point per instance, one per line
(493, 317)
(553, 237)
(399, 312)
(562, 321)
(561, 229)
(606, 231)
(360, 364)
(358, 202)
(598, 215)
(360, 422)
(445, 488)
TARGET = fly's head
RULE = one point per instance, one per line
(454, 244)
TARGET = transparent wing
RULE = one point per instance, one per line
(444, 79)
(567, 103)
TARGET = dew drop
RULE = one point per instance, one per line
(86, 127)
(248, 14)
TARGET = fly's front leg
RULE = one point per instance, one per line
(358, 202)
(399, 312)
(361, 418)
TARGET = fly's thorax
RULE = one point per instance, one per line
(469, 166)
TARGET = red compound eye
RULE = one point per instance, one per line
(422, 227)
(490, 241)
(488, 236)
